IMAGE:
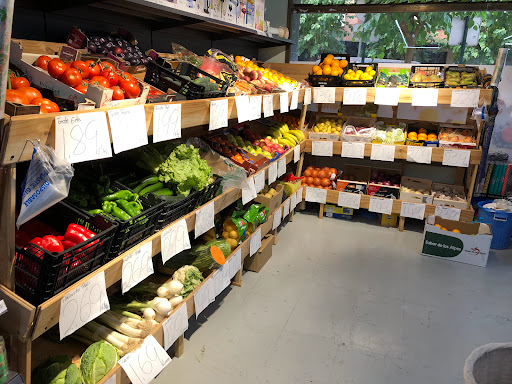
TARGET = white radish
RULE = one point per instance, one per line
(176, 300)
(174, 287)
(162, 291)
(149, 314)
(162, 308)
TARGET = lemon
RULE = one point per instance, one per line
(359, 72)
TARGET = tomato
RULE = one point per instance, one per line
(47, 106)
(94, 68)
(54, 106)
(82, 87)
(82, 67)
(19, 82)
(71, 77)
(112, 77)
(100, 80)
(15, 96)
(56, 68)
(40, 101)
(30, 93)
(118, 93)
(42, 62)
(130, 89)
(106, 66)
(127, 76)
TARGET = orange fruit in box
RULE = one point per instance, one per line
(343, 63)
(422, 136)
(422, 130)
(412, 136)
(432, 137)
(335, 72)
(335, 63)
(326, 70)
(328, 59)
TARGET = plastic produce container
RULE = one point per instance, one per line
(500, 223)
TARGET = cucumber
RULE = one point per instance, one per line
(163, 192)
(152, 188)
(145, 182)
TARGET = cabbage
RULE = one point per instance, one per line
(97, 361)
(57, 370)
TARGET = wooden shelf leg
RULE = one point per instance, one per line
(298, 171)
(291, 215)
(21, 357)
(274, 233)
(179, 346)
(7, 224)
(321, 212)
(401, 223)
(237, 279)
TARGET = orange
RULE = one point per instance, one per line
(326, 70)
(335, 63)
(328, 59)
(343, 63)
(316, 68)
(412, 136)
(456, 231)
(438, 225)
(431, 137)
(335, 72)
(422, 136)
(443, 228)
(422, 130)
(319, 72)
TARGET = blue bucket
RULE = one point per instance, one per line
(500, 223)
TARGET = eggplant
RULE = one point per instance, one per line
(91, 46)
(135, 61)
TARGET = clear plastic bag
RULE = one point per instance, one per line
(46, 183)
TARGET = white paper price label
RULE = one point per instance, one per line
(324, 95)
(112, 379)
(137, 266)
(175, 326)
(298, 197)
(293, 201)
(255, 242)
(243, 109)
(387, 96)
(218, 114)
(307, 96)
(381, 205)
(465, 98)
(412, 210)
(128, 128)
(83, 304)
(3, 307)
(255, 106)
(268, 105)
(295, 100)
(321, 148)
(349, 200)
(419, 154)
(145, 363)
(249, 194)
(277, 218)
(221, 279)
(281, 167)
(166, 122)
(286, 208)
(82, 137)
(424, 97)
(383, 152)
(259, 181)
(174, 239)
(204, 296)
(204, 219)
(352, 150)
(296, 153)
(272, 172)
(354, 96)
(316, 195)
(283, 102)
(235, 263)
(456, 157)
(448, 213)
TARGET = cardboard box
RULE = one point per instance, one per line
(242, 13)
(271, 203)
(469, 131)
(387, 191)
(338, 212)
(259, 15)
(230, 11)
(389, 220)
(416, 184)
(250, 14)
(471, 246)
(317, 118)
(363, 136)
(459, 189)
(354, 179)
(16, 109)
(257, 261)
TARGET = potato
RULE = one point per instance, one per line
(232, 243)
(225, 235)
(233, 235)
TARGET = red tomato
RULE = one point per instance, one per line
(42, 62)
(106, 66)
(82, 67)
(30, 93)
(130, 89)
(118, 93)
(45, 108)
(127, 76)
(19, 82)
(86, 81)
(94, 68)
(82, 87)
(15, 96)
(100, 80)
(54, 106)
(71, 77)
(56, 68)
(112, 77)
(40, 101)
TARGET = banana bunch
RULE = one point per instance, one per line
(284, 135)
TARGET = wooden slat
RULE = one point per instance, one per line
(19, 317)
(400, 151)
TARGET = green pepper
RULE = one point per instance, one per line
(130, 207)
(120, 214)
(146, 182)
(123, 194)
(107, 206)
(152, 188)
(96, 211)
(163, 192)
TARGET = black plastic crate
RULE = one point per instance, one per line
(209, 192)
(429, 70)
(464, 69)
(362, 83)
(162, 76)
(329, 80)
(175, 210)
(40, 274)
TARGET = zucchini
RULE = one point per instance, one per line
(150, 180)
(152, 188)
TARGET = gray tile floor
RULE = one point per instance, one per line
(349, 302)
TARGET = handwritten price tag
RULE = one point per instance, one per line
(354, 96)
(352, 150)
(316, 195)
(221, 279)
(381, 205)
(321, 148)
(204, 219)
(286, 208)
(419, 154)
(349, 200)
(426, 97)
(218, 114)
(243, 109)
(293, 201)
(268, 105)
(235, 263)
(259, 181)
(83, 304)
(387, 96)
(3, 307)
(136, 267)
(112, 379)
(166, 122)
(307, 96)
(296, 153)
(298, 197)
(295, 100)
(82, 137)
(324, 95)
(249, 194)
(174, 240)
(383, 152)
(204, 296)
(175, 326)
(255, 106)
(465, 98)
(283, 102)
(128, 128)
(281, 167)
(278, 214)
(448, 213)
(272, 172)
(456, 157)
(145, 363)
(412, 210)
(255, 242)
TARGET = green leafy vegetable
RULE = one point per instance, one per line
(52, 371)
(190, 277)
(97, 361)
